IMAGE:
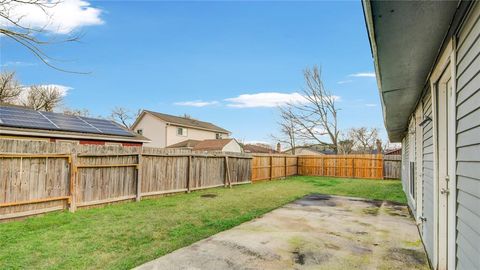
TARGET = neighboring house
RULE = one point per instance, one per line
(257, 149)
(189, 144)
(304, 151)
(17, 122)
(164, 130)
(427, 62)
(220, 145)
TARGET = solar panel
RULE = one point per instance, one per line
(107, 126)
(70, 123)
(27, 118)
(19, 117)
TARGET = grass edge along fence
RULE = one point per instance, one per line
(37, 177)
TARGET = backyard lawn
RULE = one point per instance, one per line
(125, 235)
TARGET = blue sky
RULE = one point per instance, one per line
(211, 60)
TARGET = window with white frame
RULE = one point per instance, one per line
(218, 136)
(181, 131)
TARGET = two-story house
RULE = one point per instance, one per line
(164, 130)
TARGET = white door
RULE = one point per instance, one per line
(443, 88)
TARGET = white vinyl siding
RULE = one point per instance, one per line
(427, 177)
(468, 142)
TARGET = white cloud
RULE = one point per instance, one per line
(196, 103)
(344, 82)
(17, 64)
(363, 74)
(59, 18)
(371, 105)
(61, 88)
(265, 99)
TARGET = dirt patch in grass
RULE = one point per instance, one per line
(208, 195)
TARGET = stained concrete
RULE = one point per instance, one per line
(316, 232)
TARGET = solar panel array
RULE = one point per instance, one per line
(27, 118)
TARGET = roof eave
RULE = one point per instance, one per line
(49, 134)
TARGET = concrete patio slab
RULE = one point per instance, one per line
(315, 232)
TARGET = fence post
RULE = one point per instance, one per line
(271, 167)
(353, 167)
(382, 161)
(227, 173)
(73, 177)
(323, 167)
(139, 177)
(189, 173)
(285, 161)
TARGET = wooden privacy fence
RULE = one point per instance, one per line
(273, 166)
(38, 177)
(392, 166)
(267, 167)
(353, 166)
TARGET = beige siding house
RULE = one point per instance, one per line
(165, 130)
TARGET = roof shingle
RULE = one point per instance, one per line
(188, 122)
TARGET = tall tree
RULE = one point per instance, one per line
(43, 97)
(10, 88)
(14, 26)
(288, 128)
(77, 112)
(364, 138)
(124, 116)
(317, 116)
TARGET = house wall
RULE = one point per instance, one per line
(152, 128)
(233, 146)
(427, 225)
(468, 142)
(192, 134)
(467, 157)
(162, 134)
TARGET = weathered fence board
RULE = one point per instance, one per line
(39, 176)
(392, 166)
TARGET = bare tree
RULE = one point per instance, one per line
(345, 146)
(42, 97)
(364, 138)
(10, 88)
(15, 27)
(77, 112)
(124, 116)
(317, 116)
(288, 128)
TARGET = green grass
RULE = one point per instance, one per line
(125, 235)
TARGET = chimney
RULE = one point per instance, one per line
(279, 148)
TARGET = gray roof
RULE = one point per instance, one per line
(187, 122)
(185, 144)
